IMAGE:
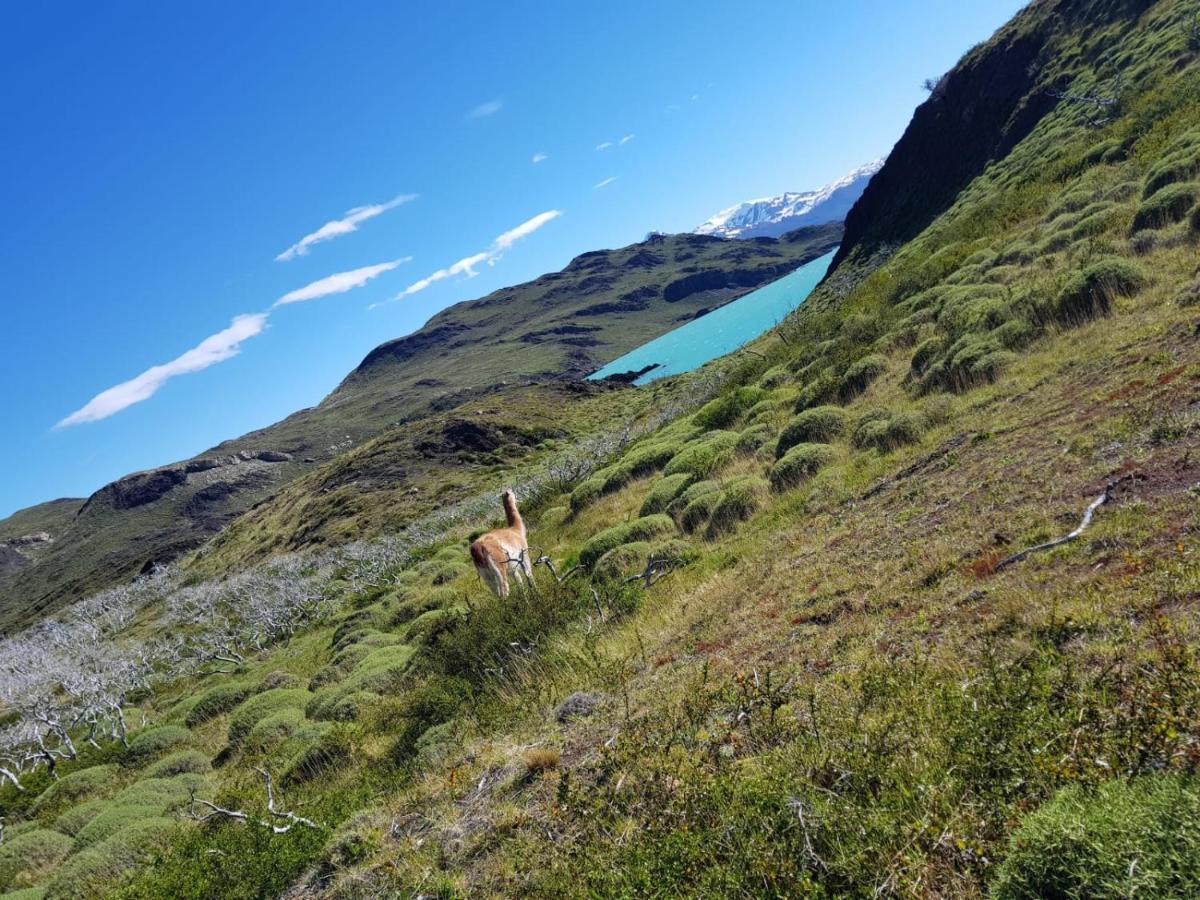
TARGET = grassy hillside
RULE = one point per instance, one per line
(819, 646)
(561, 326)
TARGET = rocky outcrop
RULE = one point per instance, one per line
(715, 279)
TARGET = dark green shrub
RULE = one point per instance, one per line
(738, 501)
(818, 425)
(112, 820)
(728, 408)
(274, 729)
(884, 430)
(860, 375)
(434, 702)
(650, 458)
(258, 707)
(1166, 206)
(92, 872)
(181, 762)
(1179, 164)
(379, 672)
(1089, 294)
(586, 493)
(799, 464)
(663, 492)
(752, 439)
(79, 815)
(698, 489)
(69, 789)
(163, 793)
(150, 743)
(217, 701)
(1126, 838)
(623, 560)
(29, 854)
(820, 390)
(704, 457)
(331, 749)
(697, 511)
(626, 533)
(927, 351)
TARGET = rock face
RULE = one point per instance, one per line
(144, 487)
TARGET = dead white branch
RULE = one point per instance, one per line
(1067, 538)
(220, 812)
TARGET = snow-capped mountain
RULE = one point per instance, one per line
(773, 216)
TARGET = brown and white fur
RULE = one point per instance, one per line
(504, 551)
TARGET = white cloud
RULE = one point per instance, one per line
(214, 349)
(606, 182)
(338, 283)
(604, 146)
(539, 157)
(345, 225)
(625, 140)
(467, 265)
(483, 110)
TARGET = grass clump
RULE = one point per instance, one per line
(150, 743)
(182, 762)
(885, 430)
(704, 457)
(112, 820)
(799, 464)
(92, 872)
(258, 707)
(1126, 838)
(1165, 207)
(738, 501)
(818, 425)
(586, 493)
(163, 793)
(274, 729)
(859, 376)
(27, 856)
(642, 529)
(752, 439)
(620, 561)
(217, 701)
(664, 491)
(698, 510)
(1089, 294)
(728, 408)
(84, 784)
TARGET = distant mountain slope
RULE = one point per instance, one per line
(562, 325)
(773, 216)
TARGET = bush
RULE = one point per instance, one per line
(79, 815)
(798, 464)
(83, 784)
(94, 871)
(150, 743)
(728, 408)
(663, 492)
(379, 672)
(704, 457)
(860, 375)
(112, 820)
(649, 458)
(818, 425)
(925, 353)
(162, 793)
(822, 389)
(738, 501)
(331, 749)
(24, 857)
(586, 493)
(884, 430)
(1165, 207)
(623, 560)
(258, 707)
(274, 729)
(626, 533)
(1127, 838)
(182, 762)
(217, 701)
(1089, 293)
(698, 510)
(752, 439)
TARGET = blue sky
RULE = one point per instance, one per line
(158, 160)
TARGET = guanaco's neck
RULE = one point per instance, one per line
(512, 513)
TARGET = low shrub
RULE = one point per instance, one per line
(925, 353)
(112, 820)
(79, 815)
(332, 749)
(1165, 207)
(30, 854)
(818, 391)
(859, 376)
(884, 430)
(738, 501)
(728, 408)
(1126, 838)
(258, 707)
(752, 439)
(621, 561)
(162, 793)
(69, 789)
(148, 744)
(274, 729)
(626, 533)
(650, 457)
(698, 510)
(92, 872)
(379, 672)
(181, 762)
(704, 457)
(586, 493)
(818, 425)
(217, 701)
(799, 464)
(663, 492)
(1089, 294)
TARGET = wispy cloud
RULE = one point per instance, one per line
(469, 264)
(483, 110)
(606, 182)
(347, 224)
(338, 283)
(604, 146)
(539, 157)
(625, 140)
(214, 349)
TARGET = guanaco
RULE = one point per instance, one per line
(503, 550)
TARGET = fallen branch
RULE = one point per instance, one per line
(544, 560)
(220, 812)
(655, 571)
(1066, 538)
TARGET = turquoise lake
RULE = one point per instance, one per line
(722, 331)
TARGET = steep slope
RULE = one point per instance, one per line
(774, 216)
(560, 326)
